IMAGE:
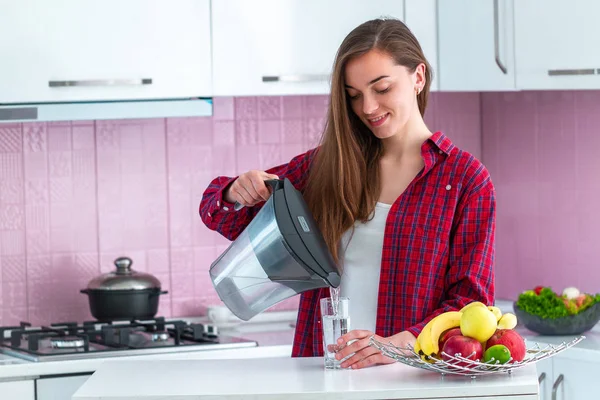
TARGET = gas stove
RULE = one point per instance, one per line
(93, 339)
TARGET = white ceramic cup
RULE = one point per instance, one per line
(220, 314)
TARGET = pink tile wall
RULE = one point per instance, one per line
(542, 151)
(74, 196)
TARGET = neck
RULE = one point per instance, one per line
(408, 141)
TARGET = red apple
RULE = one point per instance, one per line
(512, 340)
(467, 347)
(447, 335)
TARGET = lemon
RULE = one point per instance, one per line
(499, 353)
(478, 323)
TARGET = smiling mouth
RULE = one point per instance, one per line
(379, 120)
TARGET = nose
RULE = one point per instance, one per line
(370, 105)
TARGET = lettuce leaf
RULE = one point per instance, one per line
(549, 305)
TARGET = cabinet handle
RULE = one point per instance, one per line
(497, 39)
(556, 385)
(567, 72)
(295, 78)
(541, 377)
(102, 82)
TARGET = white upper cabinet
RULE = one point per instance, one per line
(557, 44)
(278, 47)
(420, 17)
(476, 45)
(73, 50)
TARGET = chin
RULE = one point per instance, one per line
(383, 134)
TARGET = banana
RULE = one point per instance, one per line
(417, 348)
(508, 321)
(430, 336)
(496, 311)
(473, 304)
(424, 335)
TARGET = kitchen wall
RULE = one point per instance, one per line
(75, 196)
(541, 150)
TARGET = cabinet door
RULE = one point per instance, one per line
(62, 388)
(574, 379)
(476, 51)
(72, 50)
(557, 44)
(545, 378)
(17, 390)
(420, 17)
(276, 47)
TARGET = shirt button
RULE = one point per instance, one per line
(226, 208)
(218, 203)
(440, 152)
(448, 187)
(209, 216)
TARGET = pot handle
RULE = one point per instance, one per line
(164, 292)
(84, 291)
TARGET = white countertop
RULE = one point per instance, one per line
(292, 378)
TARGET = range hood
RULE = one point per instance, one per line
(133, 109)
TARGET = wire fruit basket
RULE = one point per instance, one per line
(458, 365)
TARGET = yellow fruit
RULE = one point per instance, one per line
(416, 347)
(430, 335)
(473, 304)
(496, 311)
(508, 321)
(478, 323)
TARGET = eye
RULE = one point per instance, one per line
(356, 96)
(387, 89)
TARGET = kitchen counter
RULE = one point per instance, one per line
(293, 378)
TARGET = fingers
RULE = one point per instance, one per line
(354, 334)
(250, 188)
(352, 347)
(260, 188)
(368, 360)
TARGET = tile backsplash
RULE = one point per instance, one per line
(74, 196)
(540, 148)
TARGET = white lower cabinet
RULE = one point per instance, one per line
(566, 377)
(17, 390)
(545, 374)
(59, 388)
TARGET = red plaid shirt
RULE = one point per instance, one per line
(438, 248)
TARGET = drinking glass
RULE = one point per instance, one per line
(334, 326)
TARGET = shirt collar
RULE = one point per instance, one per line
(436, 145)
(438, 141)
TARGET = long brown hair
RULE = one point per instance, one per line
(343, 185)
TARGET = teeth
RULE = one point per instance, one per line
(379, 118)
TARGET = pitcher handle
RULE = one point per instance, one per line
(275, 184)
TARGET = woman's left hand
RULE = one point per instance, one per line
(365, 355)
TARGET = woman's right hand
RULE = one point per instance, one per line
(249, 188)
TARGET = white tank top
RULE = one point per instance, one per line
(360, 257)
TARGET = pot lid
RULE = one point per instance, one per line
(124, 278)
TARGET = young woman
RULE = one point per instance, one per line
(408, 216)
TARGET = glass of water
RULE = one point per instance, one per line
(336, 322)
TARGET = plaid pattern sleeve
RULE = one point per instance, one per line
(219, 215)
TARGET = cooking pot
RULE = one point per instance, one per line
(123, 294)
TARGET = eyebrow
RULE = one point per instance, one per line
(370, 83)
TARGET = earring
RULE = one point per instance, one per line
(418, 90)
